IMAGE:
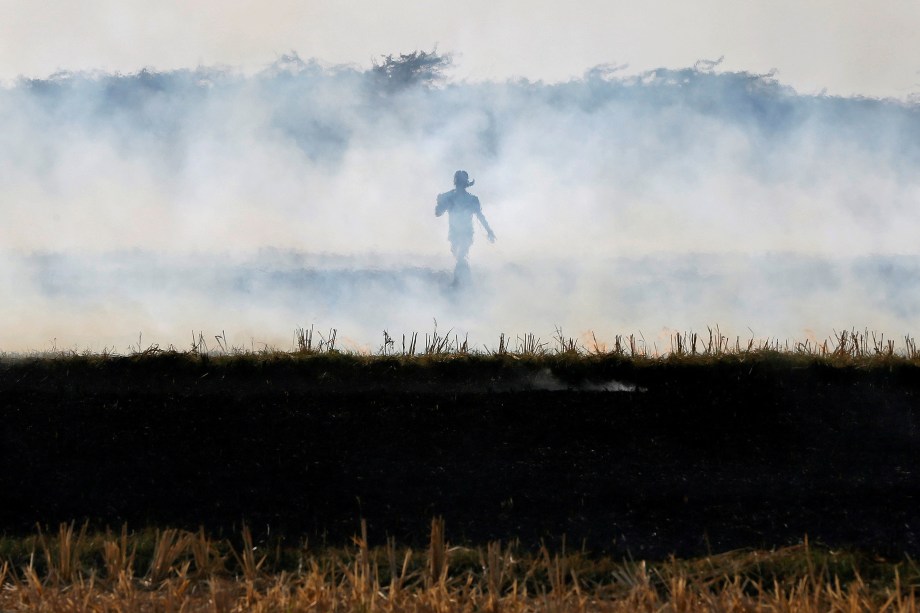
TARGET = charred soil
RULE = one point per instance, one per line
(641, 457)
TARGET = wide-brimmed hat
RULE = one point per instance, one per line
(462, 179)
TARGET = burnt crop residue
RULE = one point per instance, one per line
(722, 454)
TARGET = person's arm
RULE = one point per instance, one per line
(443, 204)
(485, 224)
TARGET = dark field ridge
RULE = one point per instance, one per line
(650, 457)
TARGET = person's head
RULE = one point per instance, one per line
(462, 179)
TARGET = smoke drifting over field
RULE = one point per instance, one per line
(210, 200)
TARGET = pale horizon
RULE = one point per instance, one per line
(843, 47)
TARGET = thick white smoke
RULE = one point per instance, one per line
(160, 203)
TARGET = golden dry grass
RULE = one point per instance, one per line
(186, 571)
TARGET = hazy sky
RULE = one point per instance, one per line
(846, 46)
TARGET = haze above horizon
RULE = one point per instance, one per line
(846, 47)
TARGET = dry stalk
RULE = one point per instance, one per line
(252, 568)
(63, 559)
(437, 555)
(118, 560)
(208, 561)
(169, 546)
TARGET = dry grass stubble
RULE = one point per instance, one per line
(187, 571)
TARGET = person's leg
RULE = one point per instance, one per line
(461, 272)
(460, 248)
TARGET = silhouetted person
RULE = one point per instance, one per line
(461, 206)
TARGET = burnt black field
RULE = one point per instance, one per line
(626, 457)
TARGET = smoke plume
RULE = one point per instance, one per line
(157, 203)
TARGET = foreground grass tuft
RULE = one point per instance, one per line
(174, 570)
